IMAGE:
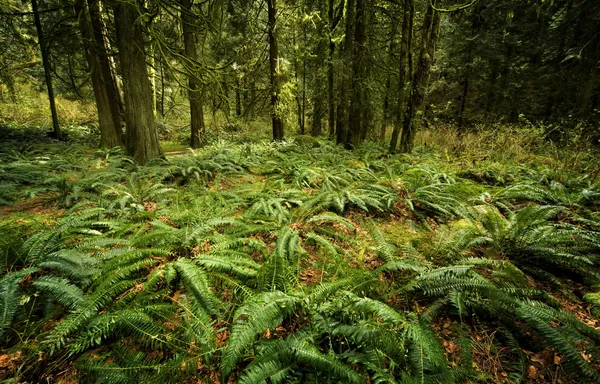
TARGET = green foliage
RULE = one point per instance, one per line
(286, 263)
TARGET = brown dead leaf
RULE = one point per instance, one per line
(532, 372)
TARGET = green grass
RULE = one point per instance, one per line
(295, 262)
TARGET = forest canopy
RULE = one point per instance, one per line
(299, 191)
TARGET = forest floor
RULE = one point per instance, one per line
(474, 259)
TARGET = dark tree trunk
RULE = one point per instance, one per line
(298, 97)
(109, 119)
(330, 82)
(405, 73)
(463, 103)
(197, 138)
(468, 68)
(341, 125)
(392, 47)
(416, 102)
(273, 64)
(386, 107)
(47, 72)
(238, 97)
(141, 136)
(107, 63)
(354, 126)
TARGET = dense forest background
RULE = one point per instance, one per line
(299, 191)
(355, 70)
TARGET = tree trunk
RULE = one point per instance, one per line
(405, 73)
(354, 126)
(299, 110)
(341, 124)
(107, 67)
(109, 119)
(277, 123)
(416, 102)
(107, 63)
(330, 82)
(142, 138)
(386, 107)
(238, 96)
(46, 62)
(197, 137)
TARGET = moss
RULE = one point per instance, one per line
(594, 300)
(308, 141)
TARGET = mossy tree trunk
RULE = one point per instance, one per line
(277, 123)
(355, 118)
(141, 135)
(109, 118)
(47, 71)
(341, 124)
(415, 108)
(405, 73)
(330, 74)
(198, 135)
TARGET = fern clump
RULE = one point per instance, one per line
(277, 262)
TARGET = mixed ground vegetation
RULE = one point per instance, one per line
(300, 261)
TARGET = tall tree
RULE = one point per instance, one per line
(141, 135)
(405, 70)
(109, 119)
(198, 134)
(277, 122)
(415, 107)
(47, 71)
(341, 124)
(354, 127)
(330, 69)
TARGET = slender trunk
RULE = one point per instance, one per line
(162, 90)
(386, 107)
(297, 97)
(330, 82)
(416, 102)
(341, 129)
(47, 71)
(277, 123)
(109, 120)
(238, 97)
(463, 103)
(197, 134)
(142, 138)
(354, 126)
(405, 73)
(365, 106)
(392, 46)
(152, 72)
(303, 108)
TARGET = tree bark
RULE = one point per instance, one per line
(354, 126)
(416, 102)
(47, 72)
(238, 96)
(330, 74)
(341, 124)
(197, 137)
(141, 136)
(109, 119)
(277, 123)
(386, 108)
(107, 66)
(405, 73)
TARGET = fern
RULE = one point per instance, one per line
(256, 315)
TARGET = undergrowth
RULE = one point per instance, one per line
(284, 262)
